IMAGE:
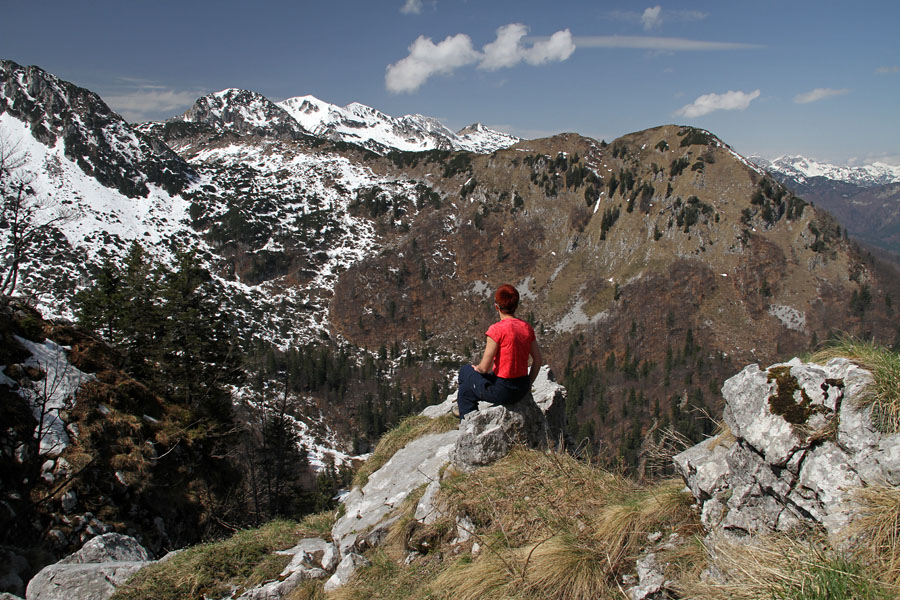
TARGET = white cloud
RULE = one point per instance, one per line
(708, 103)
(687, 16)
(412, 7)
(656, 43)
(887, 70)
(146, 101)
(558, 48)
(506, 50)
(426, 59)
(652, 18)
(819, 94)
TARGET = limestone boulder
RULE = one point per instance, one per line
(550, 397)
(109, 547)
(801, 440)
(436, 410)
(93, 572)
(345, 570)
(537, 420)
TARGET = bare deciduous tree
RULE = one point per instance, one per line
(23, 214)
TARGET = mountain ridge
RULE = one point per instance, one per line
(865, 199)
(802, 169)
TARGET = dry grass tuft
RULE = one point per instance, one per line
(568, 567)
(876, 528)
(784, 568)
(311, 589)
(623, 525)
(487, 578)
(885, 367)
(409, 429)
(556, 527)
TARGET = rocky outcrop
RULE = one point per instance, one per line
(417, 463)
(482, 438)
(93, 573)
(800, 441)
(311, 558)
(345, 570)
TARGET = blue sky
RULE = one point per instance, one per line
(789, 77)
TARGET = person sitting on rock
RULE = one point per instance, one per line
(502, 376)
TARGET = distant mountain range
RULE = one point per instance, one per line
(246, 112)
(802, 170)
(866, 199)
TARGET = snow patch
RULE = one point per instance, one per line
(55, 392)
(790, 317)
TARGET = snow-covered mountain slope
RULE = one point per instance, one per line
(99, 220)
(370, 128)
(802, 169)
(864, 199)
(283, 224)
(478, 138)
(102, 144)
(273, 219)
(270, 218)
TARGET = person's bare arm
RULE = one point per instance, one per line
(487, 361)
(536, 361)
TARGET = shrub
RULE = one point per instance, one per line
(678, 166)
(695, 137)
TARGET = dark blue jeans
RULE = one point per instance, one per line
(475, 387)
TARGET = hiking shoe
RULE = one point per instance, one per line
(455, 410)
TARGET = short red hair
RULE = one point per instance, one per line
(507, 299)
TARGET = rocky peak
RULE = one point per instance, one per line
(360, 124)
(100, 141)
(245, 113)
(479, 138)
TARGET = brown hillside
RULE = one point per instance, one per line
(663, 247)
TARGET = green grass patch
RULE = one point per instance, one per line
(212, 570)
(318, 525)
(387, 579)
(832, 578)
(884, 364)
(409, 429)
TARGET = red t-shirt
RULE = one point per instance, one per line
(513, 337)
